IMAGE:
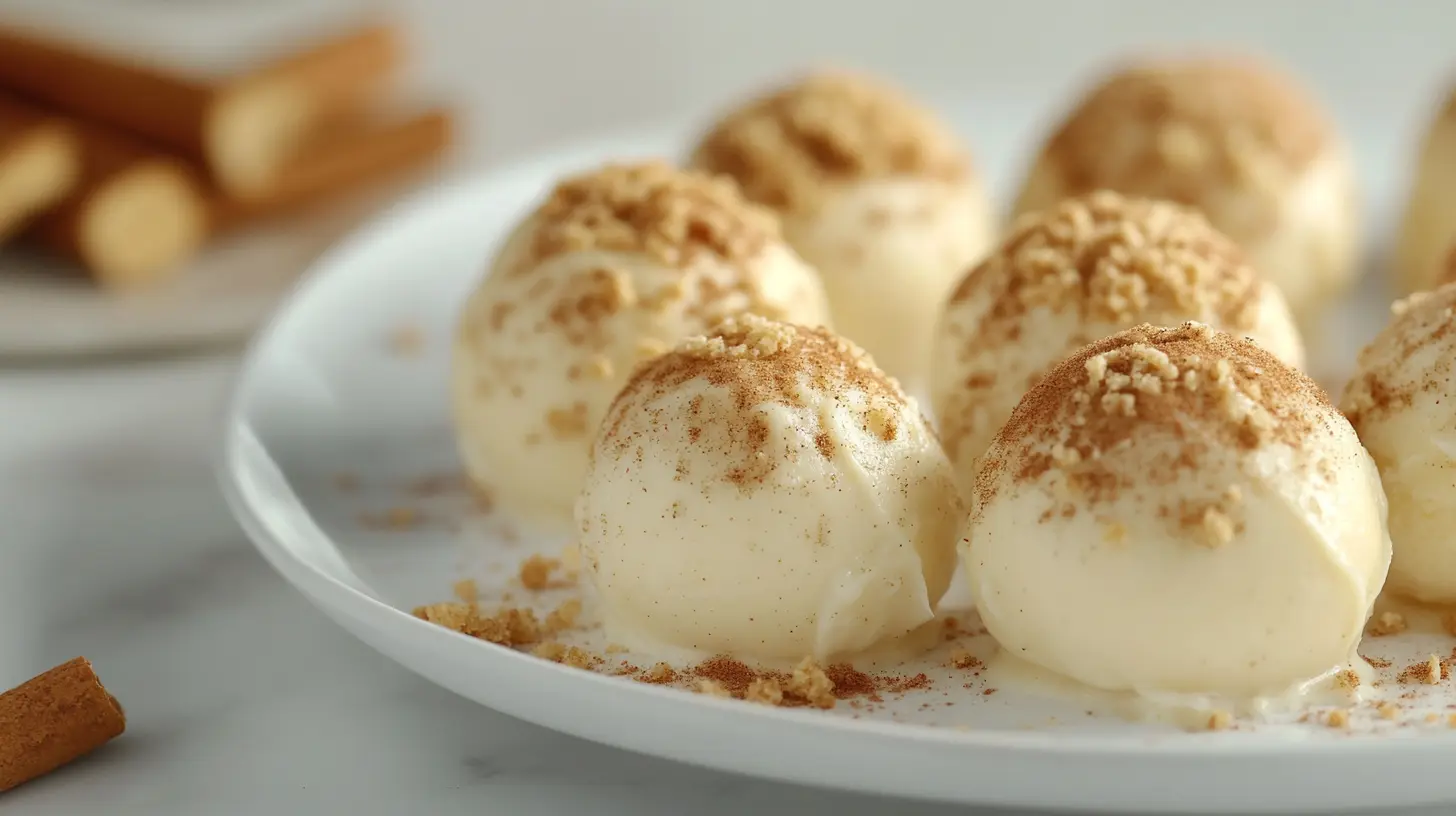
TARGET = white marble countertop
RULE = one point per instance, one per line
(242, 699)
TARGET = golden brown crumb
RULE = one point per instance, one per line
(1220, 720)
(754, 361)
(466, 590)
(1388, 711)
(659, 673)
(1190, 131)
(1348, 679)
(788, 148)
(810, 683)
(564, 616)
(579, 658)
(551, 650)
(1386, 623)
(1338, 718)
(712, 688)
(1207, 391)
(1434, 673)
(962, 659)
(764, 690)
(509, 627)
(673, 216)
(536, 571)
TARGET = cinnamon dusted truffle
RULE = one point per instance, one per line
(768, 492)
(1428, 230)
(1400, 401)
(1081, 270)
(1177, 511)
(613, 268)
(1233, 137)
(874, 191)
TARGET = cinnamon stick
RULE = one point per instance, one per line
(352, 156)
(133, 216)
(243, 130)
(39, 163)
(54, 718)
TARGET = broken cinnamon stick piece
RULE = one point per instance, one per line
(243, 130)
(346, 159)
(53, 719)
(134, 215)
(39, 164)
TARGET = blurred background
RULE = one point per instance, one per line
(116, 543)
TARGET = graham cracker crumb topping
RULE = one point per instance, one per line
(1204, 390)
(1386, 382)
(787, 148)
(1189, 130)
(756, 362)
(673, 216)
(1117, 260)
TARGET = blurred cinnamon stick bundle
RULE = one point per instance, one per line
(138, 167)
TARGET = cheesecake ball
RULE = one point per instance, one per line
(1234, 138)
(1077, 272)
(1402, 401)
(1428, 229)
(613, 268)
(1176, 511)
(874, 192)
(768, 492)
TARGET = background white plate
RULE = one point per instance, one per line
(327, 392)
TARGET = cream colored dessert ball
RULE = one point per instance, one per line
(768, 492)
(1234, 138)
(1402, 401)
(1175, 511)
(874, 192)
(1429, 226)
(615, 267)
(1076, 272)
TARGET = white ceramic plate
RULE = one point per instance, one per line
(338, 423)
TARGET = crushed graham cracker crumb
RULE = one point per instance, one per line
(809, 682)
(536, 571)
(754, 362)
(1112, 262)
(1386, 381)
(673, 216)
(1387, 710)
(508, 627)
(790, 148)
(1219, 720)
(579, 658)
(466, 590)
(552, 650)
(564, 616)
(1338, 718)
(1192, 131)
(1347, 679)
(1209, 393)
(1385, 624)
(712, 688)
(962, 659)
(765, 690)
(659, 673)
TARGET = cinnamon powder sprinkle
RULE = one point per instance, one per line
(1378, 662)
(659, 674)
(1207, 392)
(754, 362)
(1430, 671)
(673, 216)
(789, 149)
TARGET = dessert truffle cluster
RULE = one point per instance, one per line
(709, 369)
